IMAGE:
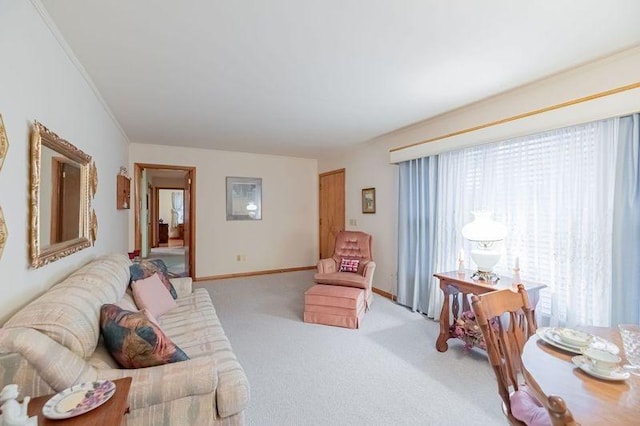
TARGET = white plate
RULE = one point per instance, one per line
(78, 399)
(552, 337)
(614, 375)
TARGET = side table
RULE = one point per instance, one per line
(455, 285)
(110, 413)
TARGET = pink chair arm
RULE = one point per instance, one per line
(327, 266)
(368, 272)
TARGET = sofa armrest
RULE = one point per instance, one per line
(45, 356)
(327, 266)
(183, 286)
(168, 382)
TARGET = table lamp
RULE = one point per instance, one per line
(487, 234)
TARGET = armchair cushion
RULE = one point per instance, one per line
(346, 279)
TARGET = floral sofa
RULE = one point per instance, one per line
(54, 342)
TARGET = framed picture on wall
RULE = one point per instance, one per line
(369, 200)
(244, 198)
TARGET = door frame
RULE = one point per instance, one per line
(191, 171)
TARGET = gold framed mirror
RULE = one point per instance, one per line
(62, 182)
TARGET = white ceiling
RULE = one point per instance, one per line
(301, 77)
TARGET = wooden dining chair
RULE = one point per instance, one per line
(505, 339)
(559, 413)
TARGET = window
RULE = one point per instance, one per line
(554, 191)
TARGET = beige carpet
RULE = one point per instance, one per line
(173, 257)
(388, 372)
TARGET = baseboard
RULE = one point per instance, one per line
(384, 294)
(253, 273)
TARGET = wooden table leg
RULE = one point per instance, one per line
(441, 343)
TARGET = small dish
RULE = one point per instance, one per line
(615, 375)
(551, 336)
(78, 399)
(575, 337)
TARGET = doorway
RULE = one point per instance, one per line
(165, 215)
(332, 205)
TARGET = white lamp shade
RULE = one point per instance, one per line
(484, 228)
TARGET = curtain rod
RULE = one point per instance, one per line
(524, 115)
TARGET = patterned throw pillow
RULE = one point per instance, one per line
(134, 340)
(349, 265)
(147, 267)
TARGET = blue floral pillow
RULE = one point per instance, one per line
(135, 341)
(147, 267)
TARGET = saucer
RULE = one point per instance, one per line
(78, 399)
(614, 375)
(551, 335)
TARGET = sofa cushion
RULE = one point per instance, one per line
(151, 294)
(135, 341)
(147, 267)
(69, 312)
(196, 328)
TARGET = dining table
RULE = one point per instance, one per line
(591, 400)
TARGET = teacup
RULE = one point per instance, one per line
(602, 361)
(575, 337)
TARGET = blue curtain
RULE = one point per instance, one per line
(626, 225)
(416, 231)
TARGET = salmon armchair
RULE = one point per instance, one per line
(350, 246)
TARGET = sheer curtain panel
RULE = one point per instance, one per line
(176, 208)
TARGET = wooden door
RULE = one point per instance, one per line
(332, 216)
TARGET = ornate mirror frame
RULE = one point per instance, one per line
(40, 255)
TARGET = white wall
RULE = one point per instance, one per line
(368, 165)
(38, 81)
(287, 235)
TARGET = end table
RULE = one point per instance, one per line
(455, 284)
(110, 413)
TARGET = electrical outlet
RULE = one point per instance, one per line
(353, 222)
(238, 258)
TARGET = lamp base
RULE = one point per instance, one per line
(485, 276)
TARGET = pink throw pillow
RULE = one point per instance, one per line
(349, 265)
(151, 294)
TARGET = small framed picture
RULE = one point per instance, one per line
(369, 200)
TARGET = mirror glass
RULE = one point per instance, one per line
(61, 177)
